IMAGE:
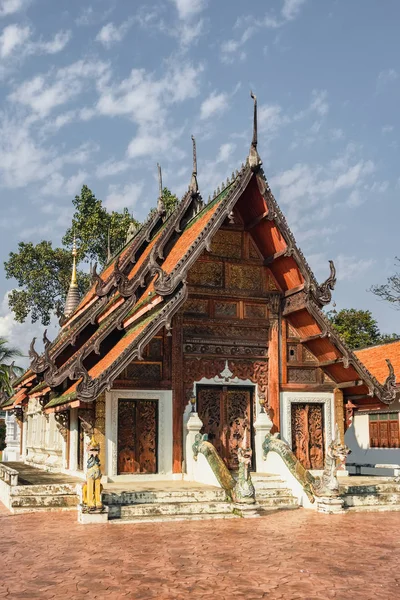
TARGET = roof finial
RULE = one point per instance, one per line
(254, 160)
(193, 187)
(72, 299)
(160, 203)
(108, 245)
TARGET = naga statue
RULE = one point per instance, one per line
(91, 491)
(240, 491)
(244, 491)
(328, 484)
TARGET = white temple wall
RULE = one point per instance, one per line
(13, 439)
(363, 456)
(44, 444)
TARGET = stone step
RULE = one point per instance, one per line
(358, 490)
(44, 501)
(273, 492)
(169, 518)
(19, 510)
(374, 508)
(180, 508)
(44, 490)
(161, 497)
(371, 499)
(278, 501)
(269, 509)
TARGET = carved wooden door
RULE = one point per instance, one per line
(308, 440)
(226, 412)
(137, 436)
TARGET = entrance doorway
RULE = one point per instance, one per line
(308, 441)
(137, 436)
(226, 411)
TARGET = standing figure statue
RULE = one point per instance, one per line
(91, 492)
(244, 491)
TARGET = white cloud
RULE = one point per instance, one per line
(125, 196)
(9, 7)
(21, 334)
(387, 129)
(291, 8)
(215, 104)
(351, 267)
(319, 102)
(187, 9)
(111, 167)
(225, 152)
(58, 43)
(386, 77)
(43, 93)
(270, 117)
(58, 185)
(111, 34)
(12, 37)
(251, 25)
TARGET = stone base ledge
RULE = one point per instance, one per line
(330, 504)
(87, 518)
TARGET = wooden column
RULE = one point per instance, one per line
(100, 429)
(177, 393)
(339, 412)
(273, 365)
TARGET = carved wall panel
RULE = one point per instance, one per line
(225, 349)
(155, 348)
(307, 356)
(255, 371)
(246, 277)
(255, 311)
(226, 309)
(144, 371)
(205, 331)
(196, 306)
(227, 244)
(271, 285)
(253, 251)
(291, 332)
(207, 274)
(302, 375)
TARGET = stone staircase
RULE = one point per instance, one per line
(194, 502)
(167, 505)
(272, 493)
(38, 498)
(367, 494)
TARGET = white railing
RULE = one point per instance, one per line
(8, 475)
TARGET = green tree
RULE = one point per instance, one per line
(43, 275)
(43, 272)
(358, 328)
(7, 368)
(389, 291)
(170, 200)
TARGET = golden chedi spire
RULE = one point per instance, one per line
(73, 299)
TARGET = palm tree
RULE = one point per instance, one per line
(8, 371)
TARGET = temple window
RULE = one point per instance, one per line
(384, 430)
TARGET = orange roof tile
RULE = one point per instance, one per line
(187, 238)
(374, 358)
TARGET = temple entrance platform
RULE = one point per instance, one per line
(24, 488)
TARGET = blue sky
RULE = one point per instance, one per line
(99, 92)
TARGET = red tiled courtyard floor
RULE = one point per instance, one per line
(288, 555)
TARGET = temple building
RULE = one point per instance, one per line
(213, 308)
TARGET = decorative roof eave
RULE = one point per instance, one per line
(254, 160)
(88, 389)
(24, 378)
(166, 284)
(320, 293)
(386, 392)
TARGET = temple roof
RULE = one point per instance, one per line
(144, 285)
(374, 358)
